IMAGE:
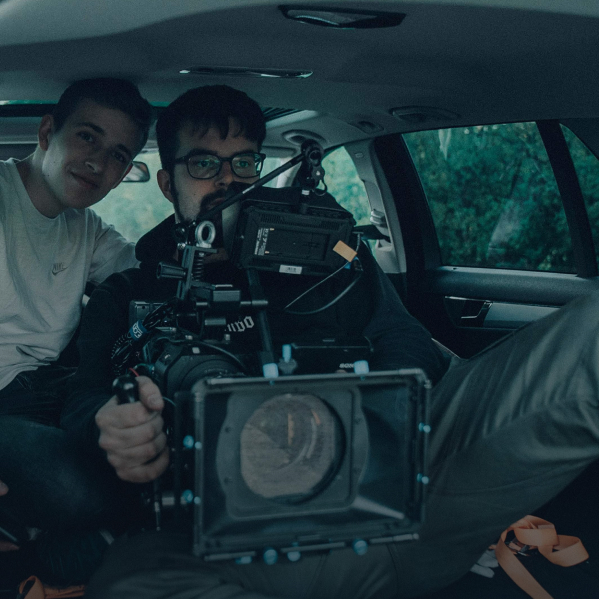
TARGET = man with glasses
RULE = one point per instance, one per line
(212, 154)
(51, 245)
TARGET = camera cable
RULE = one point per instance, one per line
(360, 271)
(126, 344)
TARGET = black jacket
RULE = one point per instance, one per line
(372, 309)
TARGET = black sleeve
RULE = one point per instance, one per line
(399, 340)
(105, 318)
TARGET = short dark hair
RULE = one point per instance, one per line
(111, 92)
(205, 107)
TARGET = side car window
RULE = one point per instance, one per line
(493, 197)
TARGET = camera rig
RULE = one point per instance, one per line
(292, 453)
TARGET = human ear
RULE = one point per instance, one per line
(45, 131)
(164, 182)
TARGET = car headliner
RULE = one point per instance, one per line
(482, 60)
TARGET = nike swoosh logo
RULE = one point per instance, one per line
(58, 267)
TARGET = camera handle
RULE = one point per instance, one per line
(126, 390)
(267, 355)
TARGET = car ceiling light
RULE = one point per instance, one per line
(422, 114)
(369, 127)
(297, 137)
(341, 18)
(246, 72)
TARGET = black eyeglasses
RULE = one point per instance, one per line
(207, 166)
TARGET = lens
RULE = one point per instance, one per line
(290, 447)
(203, 166)
(246, 165)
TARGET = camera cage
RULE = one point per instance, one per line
(297, 231)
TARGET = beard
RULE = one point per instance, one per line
(208, 202)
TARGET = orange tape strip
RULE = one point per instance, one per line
(344, 251)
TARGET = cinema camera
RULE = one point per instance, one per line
(299, 457)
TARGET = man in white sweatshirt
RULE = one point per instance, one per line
(51, 246)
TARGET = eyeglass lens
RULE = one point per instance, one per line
(206, 166)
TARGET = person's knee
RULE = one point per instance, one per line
(51, 483)
(90, 495)
(583, 313)
(77, 501)
(568, 332)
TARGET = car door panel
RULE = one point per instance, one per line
(468, 309)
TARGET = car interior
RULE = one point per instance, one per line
(462, 134)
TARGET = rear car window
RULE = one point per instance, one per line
(493, 197)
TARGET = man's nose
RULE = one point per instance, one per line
(226, 175)
(96, 162)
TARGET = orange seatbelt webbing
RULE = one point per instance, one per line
(32, 588)
(532, 532)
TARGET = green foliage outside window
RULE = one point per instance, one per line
(493, 197)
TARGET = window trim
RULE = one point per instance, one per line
(421, 244)
(564, 171)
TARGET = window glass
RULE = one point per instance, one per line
(135, 208)
(344, 184)
(587, 169)
(493, 197)
(270, 164)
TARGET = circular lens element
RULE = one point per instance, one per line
(290, 447)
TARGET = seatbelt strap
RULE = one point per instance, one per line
(535, 533)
